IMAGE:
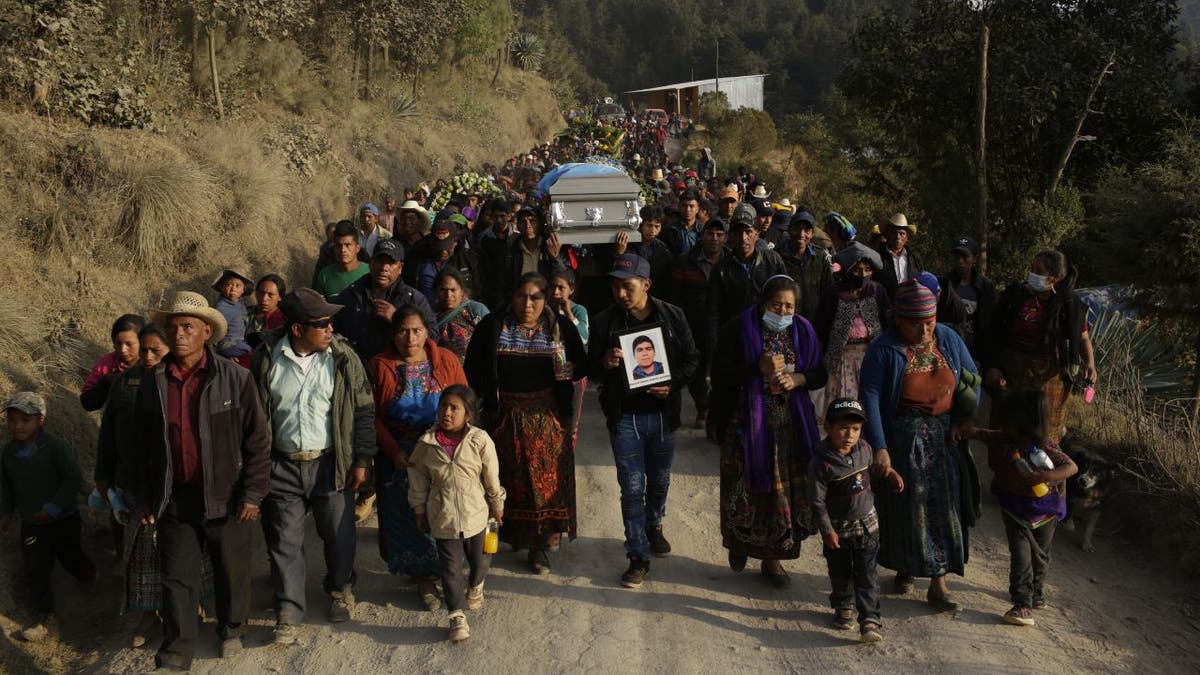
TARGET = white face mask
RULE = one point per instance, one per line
(777, 322)
(1037, 282)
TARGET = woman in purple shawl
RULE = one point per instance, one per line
(767, 359)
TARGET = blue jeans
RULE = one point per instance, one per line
(643, 451)
(852, 573)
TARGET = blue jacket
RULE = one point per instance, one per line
(882, 370)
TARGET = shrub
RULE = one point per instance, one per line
(527, 51)
(167, 205)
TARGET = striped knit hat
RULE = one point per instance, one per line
(914, 301)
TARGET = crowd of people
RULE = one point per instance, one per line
(433, 369)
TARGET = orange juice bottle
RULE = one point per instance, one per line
(491, 538)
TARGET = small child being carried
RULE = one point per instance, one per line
(232, 287)
(454, 489)
(839, 486)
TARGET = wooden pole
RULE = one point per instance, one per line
(981, 186)
(212, 69)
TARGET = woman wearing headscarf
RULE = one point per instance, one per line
(910, 379)
(852, 312)
(523, 363)
(766, 361)
(1040, 338)
(408, 378)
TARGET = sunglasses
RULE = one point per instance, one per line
(319, 323)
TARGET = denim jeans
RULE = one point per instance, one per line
(852, 574)
(643, 451)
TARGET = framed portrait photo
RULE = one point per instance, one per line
(645, 357)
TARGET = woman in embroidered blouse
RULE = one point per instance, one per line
(408, 379)
(851, 314)
(1040, 339)
(767, 360)
(458, 314)
(908, 383)
(523, 363)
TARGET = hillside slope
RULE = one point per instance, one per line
(97, 222)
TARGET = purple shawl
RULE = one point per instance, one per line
(759, 471)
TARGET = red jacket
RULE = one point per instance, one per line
(381, 370)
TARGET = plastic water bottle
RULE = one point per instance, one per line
(1024, 468)
(1039, 459)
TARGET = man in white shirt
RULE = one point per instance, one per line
(899, 262)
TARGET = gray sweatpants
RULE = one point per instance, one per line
(297, 487)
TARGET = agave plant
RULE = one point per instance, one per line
(1129, 353)
(402, 105)
(528, 51)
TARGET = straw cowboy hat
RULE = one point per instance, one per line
(187, 303)
(656, 175)
(760, 192)
(899, 220)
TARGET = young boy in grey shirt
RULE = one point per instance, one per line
(843, 505)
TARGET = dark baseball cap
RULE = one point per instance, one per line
(803, 219)
(845, 409)
(966, 245)
(763, 207)
(715, 223)
(305, 304)
(629, 266)
(389, 248)
(743, 217)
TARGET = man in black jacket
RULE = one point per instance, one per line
(204, 445)
(807, 264)
(641, 421)
(371, 301)
(737, 281)
(977, 293)
(689, 290)
(900, 263)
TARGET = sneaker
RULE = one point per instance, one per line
(340, 604)
(286, 634)
(636, 574)
(427, 591)
(475, 597)
(1019, 616)
(659, 546)
(459, 630)
(231, 647)
(363, 506)
(843, 619)
(869, 632)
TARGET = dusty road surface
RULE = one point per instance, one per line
(1107, 612)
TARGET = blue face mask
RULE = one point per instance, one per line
(777, 322)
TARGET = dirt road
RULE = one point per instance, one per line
(1107, 612)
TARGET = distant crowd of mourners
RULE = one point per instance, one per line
(433, 367)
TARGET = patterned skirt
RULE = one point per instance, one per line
(1024, 372)
(921, 530)
(766, 525)
(143, 572)
(843, 380)
(537, 470)
(404, 548)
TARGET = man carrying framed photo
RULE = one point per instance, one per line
(641, 402)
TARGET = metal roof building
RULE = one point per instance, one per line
(743, 91)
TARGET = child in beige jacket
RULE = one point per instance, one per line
(454, 488)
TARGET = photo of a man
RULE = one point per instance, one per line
(644, 354)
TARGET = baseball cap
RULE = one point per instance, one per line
(28, 402)
(716, 224)
(370, 208)
(389, 248)
(743, 217)
(629, 266)
(966, 245)
(762, 207)
(843, 409)
(305, 304)
(728, 192)
(804, 218)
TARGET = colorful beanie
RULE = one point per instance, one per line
(914, 301)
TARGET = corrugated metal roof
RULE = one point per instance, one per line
(695, 83)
